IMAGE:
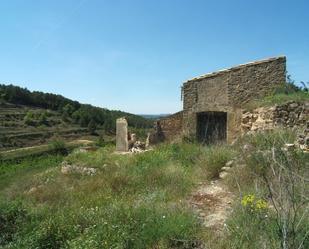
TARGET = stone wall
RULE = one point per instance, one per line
(167, 128)
(292, 114)
(227, 90)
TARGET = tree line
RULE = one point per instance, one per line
(83, 114)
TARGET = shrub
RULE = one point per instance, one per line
(58, 146)
(29, 119)
(43, 119)
(12, 217)
(141, 133)
(279, 176)
(250, 227)
(100, 141)
(50, 235)
(92, 126)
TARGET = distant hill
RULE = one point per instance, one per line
(30, 118)
(154, 116)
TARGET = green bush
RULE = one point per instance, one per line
(100, 141)
(43, 119)
(29, 119)
(51, 234)
(12, 218)
(278, 175)
(58, 146)
(92, 126)
(251, 229)
(141, 133)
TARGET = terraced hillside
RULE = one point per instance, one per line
(22, 126)
(30, 118)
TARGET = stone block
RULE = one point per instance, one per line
(122, 144)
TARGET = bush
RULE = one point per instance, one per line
(100, 141)
(279, 176)
(12, 217)
(43, 119)
(29, 119)
(58, 146)
(251, 228)
(92, 126)
(50, 235)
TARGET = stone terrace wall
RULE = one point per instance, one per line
(292, 114)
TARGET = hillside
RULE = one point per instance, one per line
(169, 197)
(30, 118)
(252, 193)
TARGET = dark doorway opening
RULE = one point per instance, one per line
(211, 127)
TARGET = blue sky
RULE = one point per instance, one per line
(134, 55)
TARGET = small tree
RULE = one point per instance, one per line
(109, 125)
(29, 118)
(43, 118)
(2, 96)
(92, 126)
(58, 146)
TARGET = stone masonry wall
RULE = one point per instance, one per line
(255, 80)
(168, 128)
(227, 90)
(292, 114)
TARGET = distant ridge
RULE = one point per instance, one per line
(153, 116)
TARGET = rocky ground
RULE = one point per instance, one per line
(212, 203)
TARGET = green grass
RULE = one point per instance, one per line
(135, 201)
(38, 150)
(277, 176)
(140, 200)
(278, 99)
(11, 171)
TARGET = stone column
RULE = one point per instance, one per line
(122, 144)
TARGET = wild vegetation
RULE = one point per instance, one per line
(140, 201)
(82, 114)
(32, 118)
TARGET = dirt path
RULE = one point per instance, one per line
(39, 149)
(74, 142)
(212, 203)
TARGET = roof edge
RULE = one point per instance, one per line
(212, 74)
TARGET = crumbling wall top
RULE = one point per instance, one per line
(235, 68)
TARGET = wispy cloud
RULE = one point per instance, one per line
(59, 23)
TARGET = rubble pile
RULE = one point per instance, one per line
(67, 168)
(303, 139)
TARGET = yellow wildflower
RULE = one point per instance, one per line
(261, 204)
(248, 200)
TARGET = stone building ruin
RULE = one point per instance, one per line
(212, 103)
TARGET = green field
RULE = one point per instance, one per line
(141, 200)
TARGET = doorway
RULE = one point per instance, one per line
(211, 127)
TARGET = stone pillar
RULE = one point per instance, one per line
(233, 124)
(122, 144)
